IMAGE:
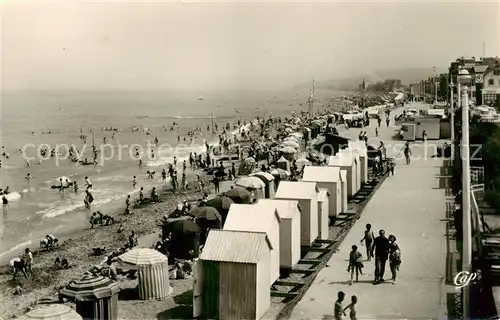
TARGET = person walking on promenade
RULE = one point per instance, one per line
(368, 239)
(392, 165)
(352, 307)
(338, 310)
(394, 257)
(381, 248)
(407, 152)
(355, 263)
(387, 121)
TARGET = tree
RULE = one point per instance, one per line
(443, 86)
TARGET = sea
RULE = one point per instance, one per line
(31, 121)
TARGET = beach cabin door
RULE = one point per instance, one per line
(198, 288)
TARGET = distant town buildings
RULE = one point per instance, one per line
(483, 90)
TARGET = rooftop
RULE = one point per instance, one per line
(296, 190)
(286, 208)
(234, 246)
(249, 217)
(321, 174)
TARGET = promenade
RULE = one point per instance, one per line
(408, 205)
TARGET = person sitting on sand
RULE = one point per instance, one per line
(51, 241)
(94, 220)
(132, 240)
(112, 272)
(154, 196)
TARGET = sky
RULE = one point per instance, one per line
(152, 45)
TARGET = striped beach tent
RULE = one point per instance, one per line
(51, 312)
(152, 267)
(95, 296)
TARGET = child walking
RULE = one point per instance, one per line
(352, 307)
(355, 263)
(338, 311)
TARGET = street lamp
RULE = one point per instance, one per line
(464, 79)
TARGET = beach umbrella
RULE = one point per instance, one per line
(206, 213)
(90, 288)
(51, 312)
(239, 195)
(221, 203)
(250, 183)
(152, 272)
(265, 176)
(293, 139)
(282, 174)
(185, 226)
(289, 150)
(141, 257)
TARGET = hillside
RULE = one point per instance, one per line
(407, 76)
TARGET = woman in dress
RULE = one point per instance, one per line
(394, 257)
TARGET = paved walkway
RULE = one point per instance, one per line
(410, 206)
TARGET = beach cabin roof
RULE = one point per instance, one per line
(323, 195)
(341, 159)
(296, 190)
(358, 146)
(347, 158)
(248, 217)
(321, 174)
(235, 246)
(286, 208)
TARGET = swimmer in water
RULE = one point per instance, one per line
(88, 184)
(28, 177)
(134, 182)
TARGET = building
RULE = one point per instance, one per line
(329, 178)
(230, 259)
(323, 218)
(289, 212)
(307, 195)
(247, 217)
(346, 162)
(491, 85)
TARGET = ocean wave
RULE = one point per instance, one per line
(13, 196)
(16, 247)
(54, 212)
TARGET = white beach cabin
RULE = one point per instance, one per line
(357, 164)
(247, 217)
(346, 162)
(307, 195)
(289, 212)
(323, 218)
(360, 147)
(328, 178)
(343, 191)
(231, 278)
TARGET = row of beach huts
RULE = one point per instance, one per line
(240, 262)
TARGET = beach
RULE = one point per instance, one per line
(42, 210)
(39, 210)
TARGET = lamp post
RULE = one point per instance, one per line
(464, 79)
(452, 122)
